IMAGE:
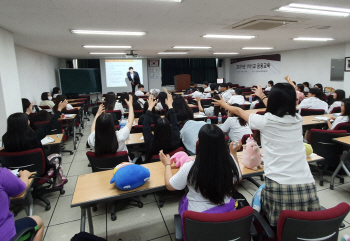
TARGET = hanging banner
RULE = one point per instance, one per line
(258, 64)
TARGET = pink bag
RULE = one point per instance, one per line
(61, 179)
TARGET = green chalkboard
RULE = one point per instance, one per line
(81, 81)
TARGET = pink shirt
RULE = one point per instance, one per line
(300, 96)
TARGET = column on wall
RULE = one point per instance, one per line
(347, 74)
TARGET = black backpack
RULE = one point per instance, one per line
(83, 236)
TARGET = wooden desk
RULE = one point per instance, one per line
(310, 120)
(76, 100)
(26, 197)
(134, 138)
(345, 140)
(74, 103)
(58, 139)
(253, 111)
(69, 118)
(73, 119)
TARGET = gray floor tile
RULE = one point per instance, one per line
(249, 186)
(345, 187)
(345, 231)
(79, 168)
(81, 156)
(70, 185)
(137, 224)
(164, 238)
(67, 158)
(171, 207)
(125, 204)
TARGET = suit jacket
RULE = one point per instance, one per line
(136, 77)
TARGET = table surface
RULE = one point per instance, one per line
(310, 120)
(134, 138)
(70, 118)
(344, 140)
(24, 193)
(75, 100)
(57, 139)
(95, 187)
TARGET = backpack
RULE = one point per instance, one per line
(84, 236)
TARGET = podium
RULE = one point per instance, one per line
(182, 81)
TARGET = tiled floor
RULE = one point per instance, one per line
(133, 223)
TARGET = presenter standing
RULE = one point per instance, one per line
(134, 77)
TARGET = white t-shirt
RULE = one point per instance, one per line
(313, 103)
(159, 106)
(122, 136)
(69, 107)
(132, 76)
(234, 130)
(338, 120)
(196, 202)
(283, 148)
(207, 95)
(335, 104)
(226, 95)
(268, 88)
(207, 89)
(189, 134)
(139, 93)
(237, 99)
(55, 95)
(232, 91)
(119, 106)
(209, 111)
(306, 89)
(252, 105)
(141, 102)
(197, 94)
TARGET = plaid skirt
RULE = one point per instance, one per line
(278, 197)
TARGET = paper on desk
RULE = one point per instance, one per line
(199, 115)
(68, 115)
(313, 154)
(15, 172)
(141, 138)
(47, 140)
(323, 118)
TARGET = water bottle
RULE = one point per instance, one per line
(219, 119)
(122, 123)
(208, 121)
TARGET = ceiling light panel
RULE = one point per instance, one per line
(228, 36)
(191, 47)
(106, 47)
(314, 9)
(107, 32)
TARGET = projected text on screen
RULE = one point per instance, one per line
(116, 70)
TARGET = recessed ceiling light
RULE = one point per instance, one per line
(228, 36)
(105, 53)
(191, 47)
(172, 52)
(175, 1)
(257, 48)
(226, 53)
(106, 32)
(313, 39)
(314, 9)
(106, 47)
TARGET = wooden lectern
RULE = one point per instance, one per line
(182, 81)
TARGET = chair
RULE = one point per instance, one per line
(235, 225)
(214, 119)
(109, 162)
(156, 158)
(206, 102)
(117, 113)
(247, 93)
(307, 112)
(323, 145)
(117, 128)
(344, 158)
(245, 106)
(162, 112)
(343, 126)
(194, 109)
(335, 110)
(34, 161)
(139, 128)
(138, 113)
(261, 112)
(325, 98)
(26, 234)
(259, 106)
(45, 107)
(316, 225)
(77, 118)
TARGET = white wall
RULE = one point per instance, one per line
(312, 65)
(37, 73)
(10, 94)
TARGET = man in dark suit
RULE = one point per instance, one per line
(134, 77)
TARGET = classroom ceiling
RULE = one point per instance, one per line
(43, 25)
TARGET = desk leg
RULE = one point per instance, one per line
(89, 216)
(83, 219)
(30, 203)
(74, 135)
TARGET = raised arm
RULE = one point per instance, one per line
(168, 174)
(200, 108)
(259, 92)
(290, 82)
(101, 109)
(147, 129)
(235, 110)
(131, 112)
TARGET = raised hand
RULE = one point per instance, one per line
(62, 105)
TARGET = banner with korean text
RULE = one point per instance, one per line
(258, 64)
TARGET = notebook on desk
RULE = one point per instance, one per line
(47, 140)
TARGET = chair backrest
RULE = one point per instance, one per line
(58, 129)
(261, 112)
(139, 128)
(233, 225)
(117, 128)
(259, 106)
(45, 107)
(245, 106)
(247, 93)
(317, 225)
(156, 158)
(194, 109)
(335, 110)
(106, 162)
(138, 113)
(206, 102)
(214, 119)
(323, 145)
(162, 112)
(325, 98)
(246, 89)
(343, 126)
(31, 160)
(306, 112)
(117, 113)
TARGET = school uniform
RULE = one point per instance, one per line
(252, 105)
(207, 89)
(197, 94)
(139, 93)
(232, 91)
(141, 102)
(196, 202)
(306, 89)
(237, 99)
(340, 119)
(155, 117)
(335, 104)
(300, 96)
(289, 182)
(119, 106)
(207, 95)
(189, 134)
(268, 88)
(226, 95)
(234, 130)
(48, 103)
(313, 103)
(55, 95)
(209, 111)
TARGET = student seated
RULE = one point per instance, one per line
(103, 138)
(56, 91)
(206, 87)
(111, 104)
(300, 92)
(136, 101)
(46, 99)
(11, 186)
(318, 86)
(226, 95)
(161, 101)
(289, 182)
(338, 97)
(269, 85)
(140, 91)
(230, 88)
(28, 107)
(211, 178)
(344, 116)
(59, 99)
(256, 100)
(237, 98)
(213, 91)
(235, 127)
(39, 117)
(314, 102)
(166, 135)
(198, 93)
(155, 117)
(306, 87)
(212, 110)
(182, 110)
(192, 88)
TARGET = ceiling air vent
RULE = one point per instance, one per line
(262, 23)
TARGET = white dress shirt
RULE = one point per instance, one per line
(313, 103)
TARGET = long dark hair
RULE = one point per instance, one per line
(319, 86)
(106, 141)
(282, 100)
(109, 101)
(306, 84)
(124, 96)
(161, 97)
(55, 91)
(317, 92)
(25, 104)
(214, 169)
(59, 98)
(162, 139)
(19, 135)
(145, 108)
(340, 95)
(44, 96)
(300, 87)
(241, 121)
(218, 109)
(183, 111)
(346, 103)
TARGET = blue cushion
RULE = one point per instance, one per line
(131, 176)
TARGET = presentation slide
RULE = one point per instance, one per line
(116, 70)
